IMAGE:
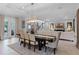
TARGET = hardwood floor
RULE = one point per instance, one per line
(64, 47)
(4, 49)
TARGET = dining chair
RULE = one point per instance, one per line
(26, 39)
(32, 40)
(21, 37)
(18, 34)
(54, 44)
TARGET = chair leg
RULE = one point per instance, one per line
(24, 44)
(19, 39)
(45, 48)
(21, 43)
(54, 51)
(34, 48)
(29, 45)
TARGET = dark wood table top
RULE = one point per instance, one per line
(45, 37)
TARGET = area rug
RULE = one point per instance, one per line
(25, 51)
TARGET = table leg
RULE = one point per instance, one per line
(44, 43)
(24, 43)
(29, 45)
(40, 44)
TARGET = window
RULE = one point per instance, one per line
(23, 24)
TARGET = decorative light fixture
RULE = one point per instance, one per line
(32, 3)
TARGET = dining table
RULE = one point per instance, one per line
(42, 39)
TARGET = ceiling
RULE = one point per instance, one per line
(41, 10)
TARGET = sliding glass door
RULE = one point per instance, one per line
(13, 27)
(9, 27)
(5, 27)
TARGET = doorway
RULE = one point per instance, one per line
(6, 28)
(9, 27)
(12, 27)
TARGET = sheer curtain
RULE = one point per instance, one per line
(1, 27)
(9, 27)
(17, 25)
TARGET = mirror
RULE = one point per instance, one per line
(69, 26)
(51, 26)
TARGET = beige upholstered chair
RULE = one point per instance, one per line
(26, 38)
(23, 39)
(18, 34)
(22, 34)
(54, 44)
(32, 40)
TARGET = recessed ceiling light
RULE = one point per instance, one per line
(23, 7)
(60, 7)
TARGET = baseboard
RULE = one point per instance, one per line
(66, 40)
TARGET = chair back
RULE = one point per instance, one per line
(22, 33)
(55, 43)
(26, 36)
(32, 37)
(17, 32)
